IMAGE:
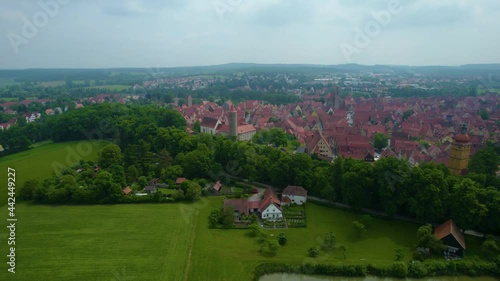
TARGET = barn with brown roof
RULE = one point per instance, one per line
(451, 236)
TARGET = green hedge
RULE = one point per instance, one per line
(398, 269)
(310, 269)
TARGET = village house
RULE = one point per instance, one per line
(31, 117)
(150, 189)
(268, 208)
(209, 125)
(294, 194)
(240, 207)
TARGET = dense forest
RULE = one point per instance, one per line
(151, 142)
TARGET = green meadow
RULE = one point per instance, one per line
(173, 242)
(110, 87)
(168, 241)
(39, 162)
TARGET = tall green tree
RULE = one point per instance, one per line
(380, 141)
(110, 154)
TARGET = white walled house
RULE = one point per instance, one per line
(272, 212)
(270, 206)
(296, 194)
(209, 125)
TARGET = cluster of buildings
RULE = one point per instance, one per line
(267, 205)
(419, 129)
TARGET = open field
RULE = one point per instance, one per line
(168, 241)
(52, 84)
(159, 241)
(8, 82)
(38, 162)
(173, 242)
(9, 99)
(110, 87)
(126, 242)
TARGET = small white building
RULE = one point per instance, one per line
(272, 212)
(270, 206)
(296, 194)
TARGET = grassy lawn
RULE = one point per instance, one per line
(38, 162)
(125, 242)
(173, 242)
(239, 253)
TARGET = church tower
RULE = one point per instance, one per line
(460, 152)
(233, 123)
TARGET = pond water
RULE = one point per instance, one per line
(297, 277)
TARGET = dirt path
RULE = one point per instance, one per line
(191, 244)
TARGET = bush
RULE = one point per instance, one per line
(282, 239)
(399, 254)
(417, 270)
(399, 269)
(313, 252)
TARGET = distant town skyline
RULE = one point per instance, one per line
(154, 33)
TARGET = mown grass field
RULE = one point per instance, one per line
(168, 241)
(39, 162)
(173, 242)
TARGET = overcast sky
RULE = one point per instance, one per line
(153, 33)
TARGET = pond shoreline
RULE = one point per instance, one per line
(399, 270)
(302, 277)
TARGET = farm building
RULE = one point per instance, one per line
(452, 237)
(295, 194)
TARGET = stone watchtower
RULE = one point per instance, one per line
(233, 123)
(460, 152)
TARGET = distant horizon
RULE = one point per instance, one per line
(256, 64)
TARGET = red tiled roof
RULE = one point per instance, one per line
(209, 122)
(448, 228)
(126, 190)
(245, 129)
(295, 190)
(180, 180)
(240, 205)
(253, 204)
(217, 186)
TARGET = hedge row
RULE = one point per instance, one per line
(397, 269)
(310, 269)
